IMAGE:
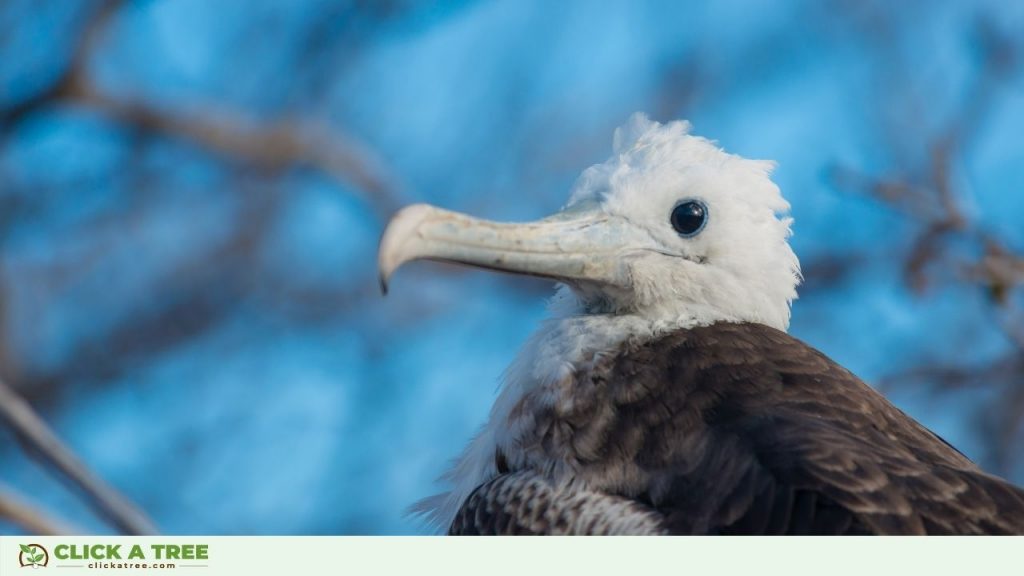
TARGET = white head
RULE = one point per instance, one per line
(670, 228)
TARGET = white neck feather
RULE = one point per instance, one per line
(564, 345)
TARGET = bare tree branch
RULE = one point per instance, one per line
(274, 147)
(19, 511)
(42, 442)
(947, 238)
(285, 144)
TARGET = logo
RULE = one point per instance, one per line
(94, 555)
(33, 555)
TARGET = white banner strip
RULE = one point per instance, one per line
(415, 556)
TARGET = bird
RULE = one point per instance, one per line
(663, 395)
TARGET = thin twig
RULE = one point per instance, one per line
(18, 510)
(277, 146)
(42, 441)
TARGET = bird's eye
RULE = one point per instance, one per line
(689, 217)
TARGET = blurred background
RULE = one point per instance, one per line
(191, 195)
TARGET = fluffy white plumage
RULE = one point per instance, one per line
(739, 268)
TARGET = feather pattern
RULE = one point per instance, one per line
(732, 428)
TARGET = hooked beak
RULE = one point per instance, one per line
(578, 245)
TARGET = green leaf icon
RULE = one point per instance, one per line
(37, 558)
(25, 549)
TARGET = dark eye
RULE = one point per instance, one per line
(689, 217)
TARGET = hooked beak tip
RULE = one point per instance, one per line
(394, 249)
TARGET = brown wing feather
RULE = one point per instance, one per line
(802, 427)
(740, 428)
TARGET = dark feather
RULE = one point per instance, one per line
(524, 504)
(737, 429)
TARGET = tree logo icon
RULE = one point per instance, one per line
(33, 555)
